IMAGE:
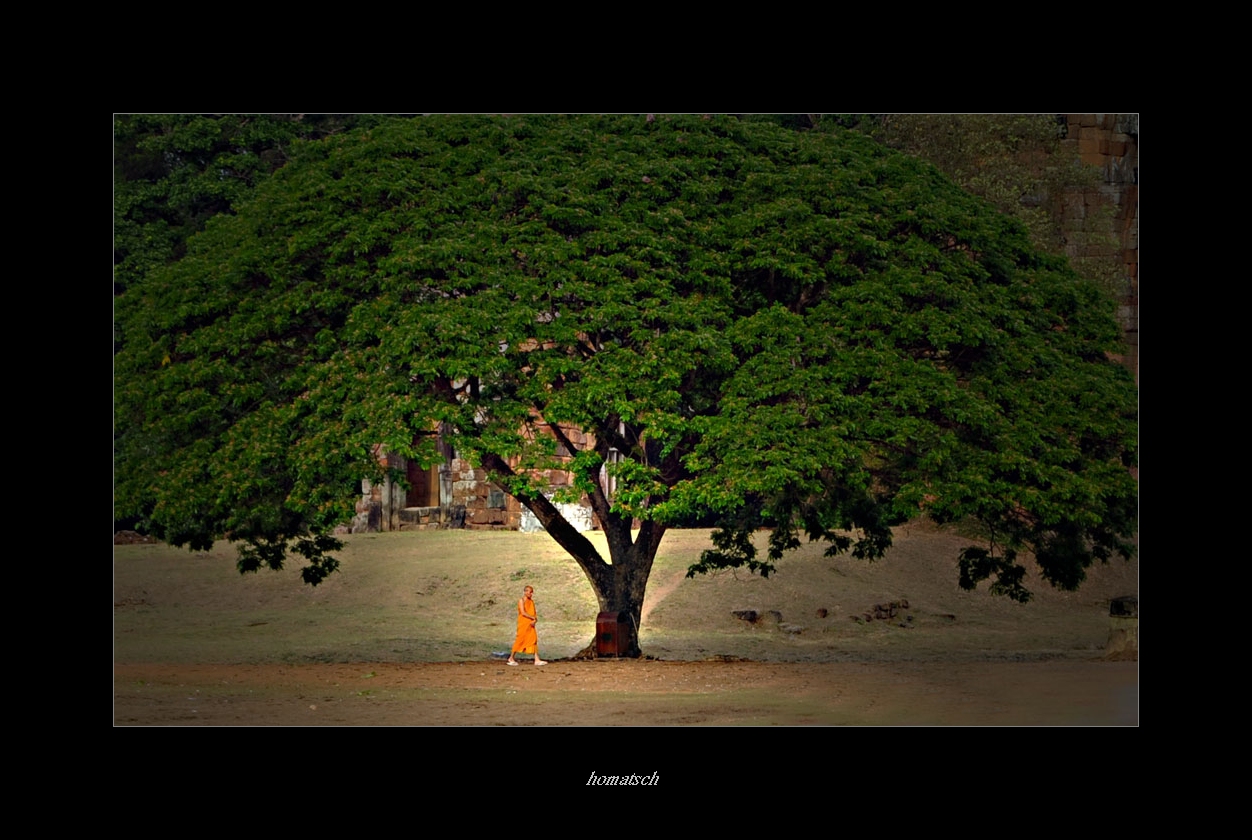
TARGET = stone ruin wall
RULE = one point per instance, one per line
(489, 508)
(467, 498)
(1109, 142)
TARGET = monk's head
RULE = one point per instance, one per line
(529, 591)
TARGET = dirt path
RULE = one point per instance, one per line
(1069, 692)
(659, 588)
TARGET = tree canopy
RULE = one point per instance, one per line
(796, 330)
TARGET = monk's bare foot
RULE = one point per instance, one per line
(510, 662)
(539, 662)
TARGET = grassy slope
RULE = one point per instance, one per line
(449, 596)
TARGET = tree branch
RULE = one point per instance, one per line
(579, 547)
(599, 501)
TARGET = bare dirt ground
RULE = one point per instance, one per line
(638, 693)
(404, 635)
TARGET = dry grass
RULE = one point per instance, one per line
(448, 596)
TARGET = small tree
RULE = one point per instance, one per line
(799, 330)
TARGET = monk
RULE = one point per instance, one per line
(527, 640)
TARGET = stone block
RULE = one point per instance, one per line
(1075, 206)
(419, 516)
(1126, 606)
(492, 516)
(1123, 643)
(1088, 144)
(1109, 192)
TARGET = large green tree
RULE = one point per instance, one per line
(798, 330)
(174, 172)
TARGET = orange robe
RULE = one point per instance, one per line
(527, 640)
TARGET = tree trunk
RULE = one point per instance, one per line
(619, 585)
